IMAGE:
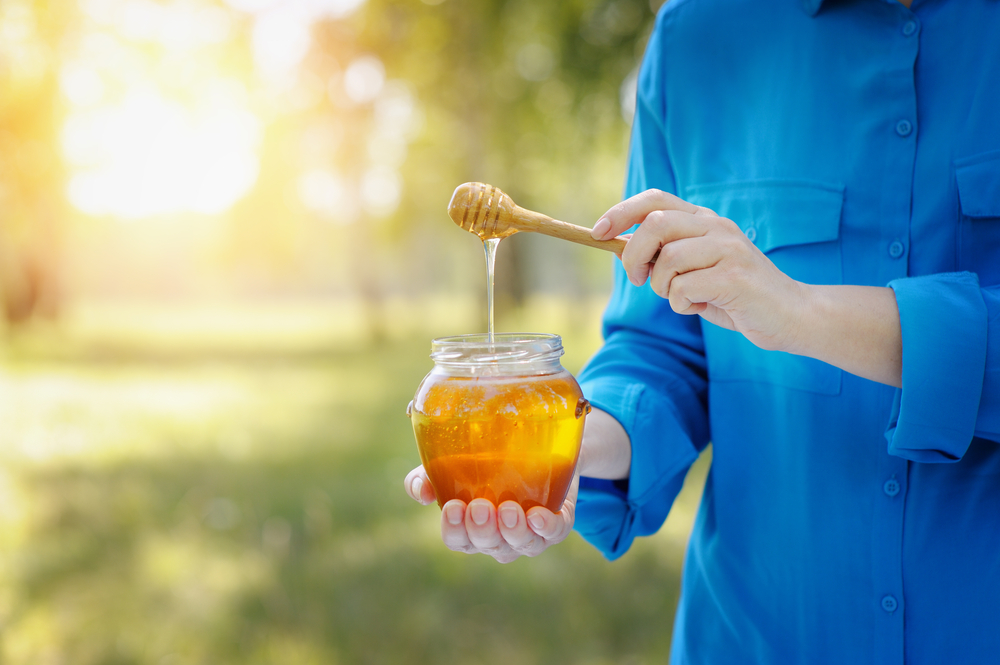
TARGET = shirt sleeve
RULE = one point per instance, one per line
(951, 367)
(650, 373)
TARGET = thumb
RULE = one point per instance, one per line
(419, 487)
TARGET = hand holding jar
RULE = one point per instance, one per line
(505, 533)
(499, 425)
(508, 533)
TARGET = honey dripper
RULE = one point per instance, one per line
(490, 213)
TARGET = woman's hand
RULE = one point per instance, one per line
(703, 264)
(504, 533)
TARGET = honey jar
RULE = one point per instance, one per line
(500, 419)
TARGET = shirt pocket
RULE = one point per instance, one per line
(797, 225)
(978, 180)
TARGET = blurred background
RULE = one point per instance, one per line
(223, 254)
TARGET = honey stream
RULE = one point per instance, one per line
(490, 247)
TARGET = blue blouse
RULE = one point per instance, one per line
(843, 521)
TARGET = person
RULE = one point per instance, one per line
(813, 285)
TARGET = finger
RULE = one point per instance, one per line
(681, 257)
(419, 487)
(554, 527)
(632, 211)
(691, 289)
(481, 525)
(453, 531)
(456, 536)
(659, 229)
(514, 529)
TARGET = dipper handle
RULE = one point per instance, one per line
(489, 213)
(529, 220)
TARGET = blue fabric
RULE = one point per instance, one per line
(843, 521)
(930, 433)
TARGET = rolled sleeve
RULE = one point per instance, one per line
(662, 452)
(988, 423)
(943, 320)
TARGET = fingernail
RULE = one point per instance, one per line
(418, 484)
(454, 515)
(508, 515)
(600, 228)
(480, 514)
(537, 523)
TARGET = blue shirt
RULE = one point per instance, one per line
(843, 521)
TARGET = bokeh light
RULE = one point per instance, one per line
(364, 78)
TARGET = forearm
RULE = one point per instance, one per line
(606, 451)
(855, 328)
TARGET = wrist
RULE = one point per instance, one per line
(802, 310)
(605, 451)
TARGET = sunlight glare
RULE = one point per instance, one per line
(149, 155)
(281, 38)
(179, 26)
(141, 19)
(82, 85)
(187, 27)
(252, 6)
(333, 8)
(314, 8)
(101, 12)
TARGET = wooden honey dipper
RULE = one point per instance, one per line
(489, 213)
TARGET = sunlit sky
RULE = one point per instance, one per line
(161, 123)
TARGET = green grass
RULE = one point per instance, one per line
(244, 505)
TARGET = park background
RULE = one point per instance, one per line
(223, 254)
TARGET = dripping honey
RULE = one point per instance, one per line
(500, 438)
(490, 246)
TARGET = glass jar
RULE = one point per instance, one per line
(501, 420)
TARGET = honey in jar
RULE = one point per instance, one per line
(500, 420)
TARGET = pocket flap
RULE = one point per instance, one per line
(978, 180)
(775, 213)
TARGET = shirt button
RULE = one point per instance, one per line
(889, 604)
(891, 487)
(896, 249)
(903, 128)
(751, 234)
(909, 28)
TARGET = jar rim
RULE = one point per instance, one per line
(506, 348)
